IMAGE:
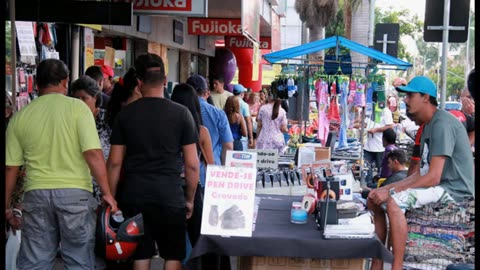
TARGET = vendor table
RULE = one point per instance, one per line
(275, 236)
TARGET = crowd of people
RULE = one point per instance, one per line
(126, 146)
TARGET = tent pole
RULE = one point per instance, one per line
(362, 130)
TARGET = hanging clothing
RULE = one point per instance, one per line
(321, 92)
(352, 90)
(370, 93)
(342, 138)
(360, 99)
(333, 114)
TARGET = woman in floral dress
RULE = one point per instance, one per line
(271, 124)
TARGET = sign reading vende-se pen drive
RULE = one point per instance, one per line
(229, 200)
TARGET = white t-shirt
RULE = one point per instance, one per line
(374, 142)
(219, 100)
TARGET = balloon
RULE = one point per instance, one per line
(224, 64)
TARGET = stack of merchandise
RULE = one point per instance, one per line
(441, 234)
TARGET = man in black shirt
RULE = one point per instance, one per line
(396, 159)
(150, 139)
(396, 162)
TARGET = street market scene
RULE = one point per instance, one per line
(240, 135)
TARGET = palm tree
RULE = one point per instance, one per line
(349, 8)
(316, 14)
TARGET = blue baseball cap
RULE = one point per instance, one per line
(238, 88)
(198, 82)
(420, 84)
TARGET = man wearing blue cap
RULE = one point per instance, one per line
(446, 168)
(215, 120)
(239, 90)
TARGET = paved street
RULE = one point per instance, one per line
(156, 265)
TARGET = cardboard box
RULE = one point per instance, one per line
(322, 153)
(288, 263)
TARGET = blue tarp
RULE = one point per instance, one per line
(335, 41)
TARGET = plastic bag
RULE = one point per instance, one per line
(11, 249)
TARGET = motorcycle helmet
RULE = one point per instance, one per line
(117, 240)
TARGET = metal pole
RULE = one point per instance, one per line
(424, 65)
(371, 23)
(362, 130)
(414, 69)
(446, 24)
(13, 62)
(75, 52)
(437, 66)
(467, 53)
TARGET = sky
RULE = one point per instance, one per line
(415, 6)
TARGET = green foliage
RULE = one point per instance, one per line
(336, 27)
(455, 79)
(8, 42)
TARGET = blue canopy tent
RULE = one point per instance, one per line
(331, 42)
(383, 61)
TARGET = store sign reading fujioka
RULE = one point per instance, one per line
(244, 42)
(214, 27)
(177, 7)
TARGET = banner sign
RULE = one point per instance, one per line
(26, 42)
(89, 48)
(251, 19)
(229, 200)
(169, 7)
(241, 159)
(255, 62)
(266, 158)
(214, 27)
(243, 42)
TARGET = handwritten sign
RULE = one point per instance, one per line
(266, 158)
(228, 201)
(109, 57)
(26, 42)
(241, 159)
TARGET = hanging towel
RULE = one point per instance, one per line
(291, 87)
(323, 122)
(352, 90)
(333, 114)
(342, 139)
(360, 95)
(370, 94)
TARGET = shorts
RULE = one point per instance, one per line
(164, 226)
(417, 197)
(53, 216)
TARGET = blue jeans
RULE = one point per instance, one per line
(54, 217)
(372, 157)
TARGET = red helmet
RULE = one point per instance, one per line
(117, 240)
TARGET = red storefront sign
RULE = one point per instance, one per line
(244, 42)
(169, 7)
(214, 27)
(179, 5)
